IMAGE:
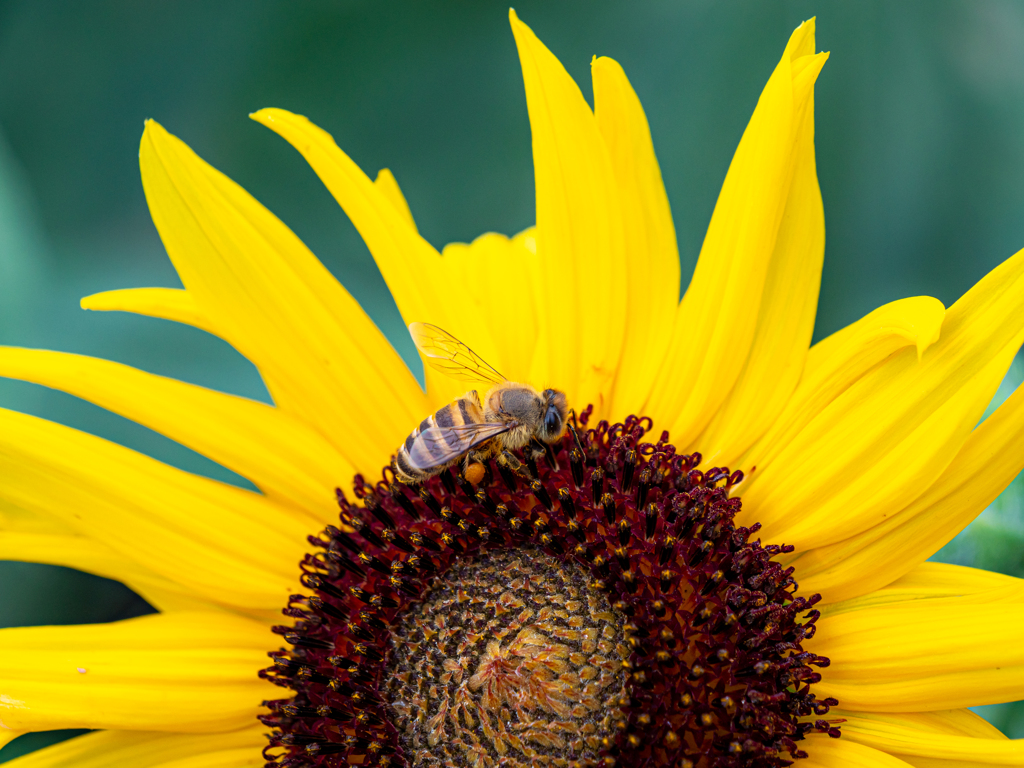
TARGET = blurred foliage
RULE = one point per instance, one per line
(918, 137)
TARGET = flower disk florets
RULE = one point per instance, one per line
(511, 660)
(626, 541)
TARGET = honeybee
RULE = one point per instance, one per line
(510, 416)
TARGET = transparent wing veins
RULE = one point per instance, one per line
(444, 353)
(436, 446)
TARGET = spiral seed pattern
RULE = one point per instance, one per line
(511, 658)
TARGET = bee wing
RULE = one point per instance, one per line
(435, 445)
(444, 353)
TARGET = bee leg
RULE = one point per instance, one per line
(575, 434)
(532, 452)
(507, 460)
(400, 477)
(534, 449)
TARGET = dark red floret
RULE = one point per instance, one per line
(716, 675)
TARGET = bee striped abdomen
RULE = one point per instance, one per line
(419, 458)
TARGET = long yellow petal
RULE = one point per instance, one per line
(194, 672)
(284, 457)
(717, 319)
(786, 321)
(152, 749)
(17, 520)
(988, 461)
(579, 231)
(922, 655)
(92, 556)
(834, 364)
(652, 256)
(951, 722)
(228, 545)
(408, 263)
(936, 581)
(387, 184)
(411, 267)
(166, 303)
(322, 358)
(924, 740)
(886, 439)
(825, 752)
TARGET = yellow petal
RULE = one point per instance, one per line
(387, 184)
(652, 257)
(937, 581)
(15, 519)
(92, 556)
(228, 545)
(922, 655)
(887, 438)
(952, 722)
(990, 458)
(322, 358)
(834, 364)
(284, 457)
(7, 736)
(239, 757)
(579, 231)
(411, 267)
(193, 672)
(717, 319)
(826, 752)
(485, 268)
(152, 749)
(936, 740)
(408, 263)
(167, 303)
(788, 305)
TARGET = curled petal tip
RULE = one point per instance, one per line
(809, 24)
(265, 115)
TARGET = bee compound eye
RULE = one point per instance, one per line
(552, 422)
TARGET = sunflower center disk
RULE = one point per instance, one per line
(510, 656)
(595, 608)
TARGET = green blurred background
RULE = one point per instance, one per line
(919, 136)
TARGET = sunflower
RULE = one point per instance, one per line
(619, 596)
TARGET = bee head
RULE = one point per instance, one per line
(555, 409)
